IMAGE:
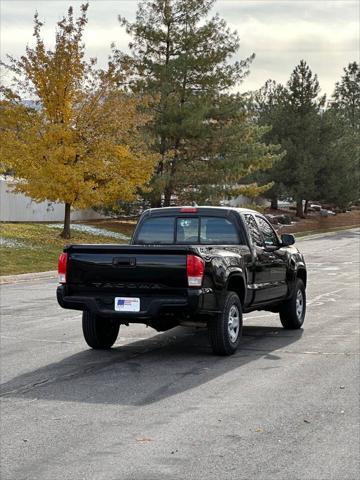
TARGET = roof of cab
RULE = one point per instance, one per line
(199, 209)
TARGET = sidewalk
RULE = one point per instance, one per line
(25, 277)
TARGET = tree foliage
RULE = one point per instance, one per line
(80, 141)
(294, 113)
(346, 97)
(206, 141)
(339, 178)
(268, 106)
(321, 144)
(302, 143)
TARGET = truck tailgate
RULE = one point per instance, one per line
(126, 266)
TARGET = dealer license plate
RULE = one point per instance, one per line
(127, 304)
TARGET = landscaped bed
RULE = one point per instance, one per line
(315, 223)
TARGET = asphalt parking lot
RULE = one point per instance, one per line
(160, 406)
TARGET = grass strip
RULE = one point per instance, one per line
(33, 247)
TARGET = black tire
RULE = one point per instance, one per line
(222, 341)
(99, 333)
(292, 314)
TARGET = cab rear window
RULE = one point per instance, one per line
(157, 230)
(187, 231)
(217, 230)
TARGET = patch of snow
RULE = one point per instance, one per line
(101, 232)
(11, 243)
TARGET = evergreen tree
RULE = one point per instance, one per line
(269, 108)
(294, 114)
(205, 138)
(346, 98)
(339, 177)
(302, 144)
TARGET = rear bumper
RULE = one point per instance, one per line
(150, 306)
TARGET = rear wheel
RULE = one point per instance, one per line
(99, 333)
(225, 330)
(292, 312)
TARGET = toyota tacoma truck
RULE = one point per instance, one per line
(191, 266)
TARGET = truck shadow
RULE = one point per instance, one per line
(147, 371)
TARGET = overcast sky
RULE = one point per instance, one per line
(281, 32)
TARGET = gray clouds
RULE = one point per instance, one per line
(280, 32)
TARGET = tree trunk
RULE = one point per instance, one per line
(66, 231)
(306, 207)
(299, 208)
(167, 196)
(155, 201)
(274, 203)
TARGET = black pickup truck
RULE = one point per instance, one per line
(202, 266)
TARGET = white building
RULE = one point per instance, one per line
(16, 207)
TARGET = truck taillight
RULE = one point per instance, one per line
(62, 265)
(195, 270)
(188, 209)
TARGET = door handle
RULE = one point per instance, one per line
(124, 262)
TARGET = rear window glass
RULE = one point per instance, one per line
(156, 230)
(189, 230)
(217, 230)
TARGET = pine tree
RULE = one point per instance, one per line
(269, 105)
(81, 144)
(339, 178)
(294, 113)
(202, 132)
(346, 98)
(302, 144)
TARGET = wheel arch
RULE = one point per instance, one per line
(236, 284)
(302, 274)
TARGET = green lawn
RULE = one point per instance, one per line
(33, 247)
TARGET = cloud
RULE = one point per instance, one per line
(299, 35)
(287, 10)
(280, 32)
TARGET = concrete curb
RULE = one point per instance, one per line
(324, 234)
(26, 277)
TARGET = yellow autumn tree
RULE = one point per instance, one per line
(68, 131)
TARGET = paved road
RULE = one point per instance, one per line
(160, 406)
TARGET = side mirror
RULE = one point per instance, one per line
(287, 239)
